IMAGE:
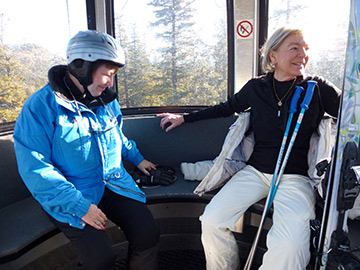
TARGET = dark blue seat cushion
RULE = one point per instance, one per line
(23, 224)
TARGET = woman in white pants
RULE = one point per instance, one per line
(284, 58)
(287, 240)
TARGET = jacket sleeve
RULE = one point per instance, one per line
(129, 151)
(33, 147)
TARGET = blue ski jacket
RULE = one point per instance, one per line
(66, 157)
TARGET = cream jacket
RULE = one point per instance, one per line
(237, 149)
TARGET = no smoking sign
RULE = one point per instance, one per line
(244, 28)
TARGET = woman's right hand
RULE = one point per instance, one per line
(174, 119)
(95, 217)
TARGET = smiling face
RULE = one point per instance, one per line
(102, 77)
(290, 58)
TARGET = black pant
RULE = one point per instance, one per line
(136, 221)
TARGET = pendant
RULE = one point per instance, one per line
(279, 103)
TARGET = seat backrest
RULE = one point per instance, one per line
(12, 187)
(189, 142)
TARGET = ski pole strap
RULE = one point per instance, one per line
(308, 96)
(295, 99)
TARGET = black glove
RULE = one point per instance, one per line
(163, 175)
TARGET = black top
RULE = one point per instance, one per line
(258, 96)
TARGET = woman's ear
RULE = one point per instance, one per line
(272, 56)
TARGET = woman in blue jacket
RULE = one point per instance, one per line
(69, 147)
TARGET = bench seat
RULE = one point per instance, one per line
(23, 225)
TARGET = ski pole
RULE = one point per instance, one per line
(292, 110)
(304, 106)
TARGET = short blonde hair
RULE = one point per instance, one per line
(273, 43)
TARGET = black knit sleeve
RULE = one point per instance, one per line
(237, 103)
(330, 96)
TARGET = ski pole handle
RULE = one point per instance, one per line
(295, 99)
(308, 96)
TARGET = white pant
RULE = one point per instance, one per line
(288, 240)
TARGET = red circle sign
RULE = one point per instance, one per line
(244, 29)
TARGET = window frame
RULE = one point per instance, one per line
(109, 25)
(110, 29)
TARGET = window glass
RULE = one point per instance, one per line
(176, 52)
(30, 43)
(325, 26)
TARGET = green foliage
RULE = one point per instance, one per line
(23, 70)
(183, 71)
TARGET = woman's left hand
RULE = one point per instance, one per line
(145, 166)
